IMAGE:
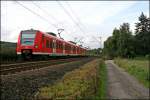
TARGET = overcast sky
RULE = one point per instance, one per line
(81, 20)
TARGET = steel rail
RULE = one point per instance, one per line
(13, 68)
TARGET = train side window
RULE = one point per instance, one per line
(69, 48)
(66, 47)
(61, 46)
(47, 44)
(50, 44)
(42, 41)
(57, 43)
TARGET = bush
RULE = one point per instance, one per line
(8, 54)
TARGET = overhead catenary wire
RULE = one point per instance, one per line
(50, 15)
(43, 18)
(37, 14)
(66, 11)
(75, 15)
(77, 18)
(98, 40)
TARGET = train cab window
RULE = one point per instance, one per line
(27, 37)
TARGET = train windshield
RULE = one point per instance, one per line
(27, 38)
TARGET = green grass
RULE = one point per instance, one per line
(78, 84)
(88, 83)
(139, 68)
(102, 83)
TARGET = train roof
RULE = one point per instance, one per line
(69, 42)
(53, 35)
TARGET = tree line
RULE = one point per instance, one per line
(125, 43)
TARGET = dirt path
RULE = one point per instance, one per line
(121, 85)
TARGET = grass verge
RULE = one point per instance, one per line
(136, 67)
(102, 81)
(78, 84)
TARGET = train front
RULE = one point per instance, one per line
(26, 43)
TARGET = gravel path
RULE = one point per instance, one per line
(23, 85)
(121, 85)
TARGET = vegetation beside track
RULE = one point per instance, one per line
(24, 85)
(128, 44)
(87, 82)
(139, 68)
(76, 84)
(102, 81)
(8, 52)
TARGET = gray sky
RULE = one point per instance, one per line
(85, 20)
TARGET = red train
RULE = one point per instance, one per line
(34, 42)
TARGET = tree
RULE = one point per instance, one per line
(125, 41)
(121, 43)
(143, 35)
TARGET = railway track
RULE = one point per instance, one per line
(18, 67)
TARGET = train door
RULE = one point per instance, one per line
(71, 49)
(43, 43)
(47, 45)
(76, 50)
(63, 48)
(54, 46)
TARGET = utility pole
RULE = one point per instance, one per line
(100, 43)
(100, 38)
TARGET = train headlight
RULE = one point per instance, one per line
(36, 46)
